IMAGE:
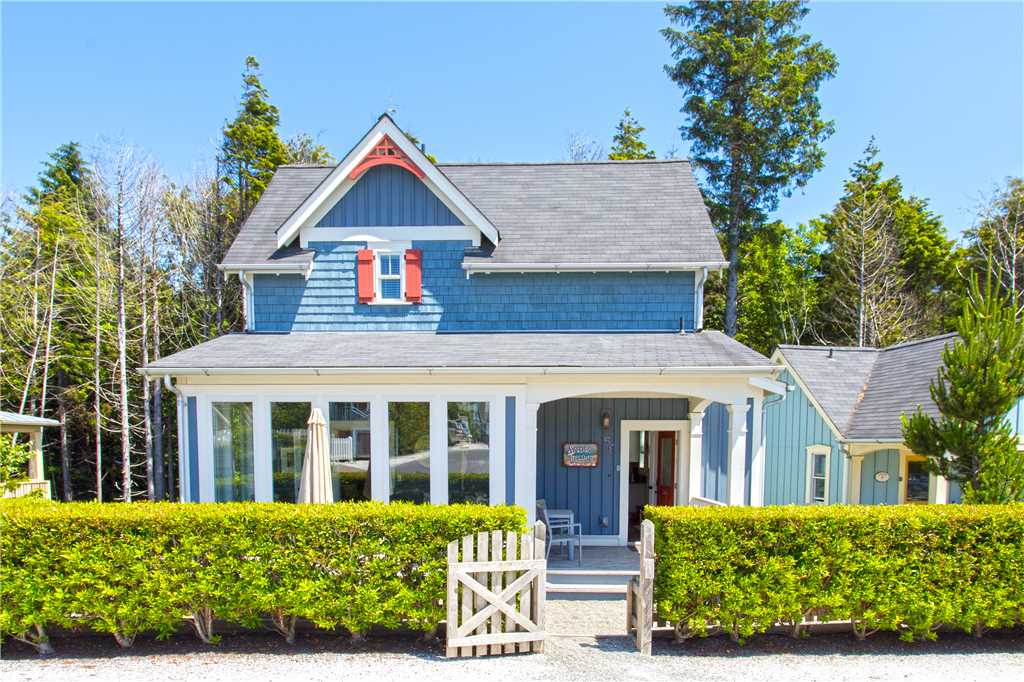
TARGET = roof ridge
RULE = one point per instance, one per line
(594, 162)
(915, 342)
(795, 346)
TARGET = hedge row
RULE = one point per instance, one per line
(909, 569)
(125, 569)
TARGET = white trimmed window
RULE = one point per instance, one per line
(390, 272)
(817, 473)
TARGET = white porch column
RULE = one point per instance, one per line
(757, 456)
(526, 457)
(36, 467)
(737, 451)
(938, 489)
(853, 479)
(438, 451)
(380, 478)
(696, 455)
(262, 449)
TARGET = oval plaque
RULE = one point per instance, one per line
(881, 476)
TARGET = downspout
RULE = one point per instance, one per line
(182, 453)
(698, 300)
(246, 299)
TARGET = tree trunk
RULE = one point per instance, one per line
(96, 341)
(147, 419)
(65, 455)
(733, 247)
(122, 354)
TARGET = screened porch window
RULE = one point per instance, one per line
(350, 450)
(288, 431)
(233, 479)
(409, 451)
(469, 452)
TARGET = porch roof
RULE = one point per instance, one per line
(417, 351)
(13, 419)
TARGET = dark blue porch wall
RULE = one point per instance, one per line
(510, 449)
(715, 452)
(616, 301)
(193, 450)
(388, 196)
(591, 493)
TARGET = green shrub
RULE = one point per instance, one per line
(126, 569)
(908, 569)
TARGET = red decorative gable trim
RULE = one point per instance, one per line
(383, 153)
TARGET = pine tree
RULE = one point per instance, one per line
(982, 377)
(627, 143)
(750, 79)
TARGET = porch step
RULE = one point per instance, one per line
(582, 588)
(595, 572)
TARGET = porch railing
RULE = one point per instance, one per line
(698, 501)
(28, 487)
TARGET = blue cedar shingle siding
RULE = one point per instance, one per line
(791, 426)
(388, 196)
(877, 492)
(590, 492)
(715, 452)
(617, 301)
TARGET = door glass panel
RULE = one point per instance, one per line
(469, 452)
(350, 450)
(409, 451)
(665, 462)
(917, 481)
(232, 452)
(288, 431)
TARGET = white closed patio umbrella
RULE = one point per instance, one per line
(315, 485)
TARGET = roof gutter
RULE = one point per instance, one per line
(441, 371)
(593, 267)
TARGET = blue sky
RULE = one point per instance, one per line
(939, 85)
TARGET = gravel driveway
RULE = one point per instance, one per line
(573, 652)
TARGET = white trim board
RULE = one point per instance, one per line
(627, 426)
(334, 186)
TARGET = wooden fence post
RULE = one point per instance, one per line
(645, 589)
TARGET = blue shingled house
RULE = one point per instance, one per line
(837, 437)
(488, 332)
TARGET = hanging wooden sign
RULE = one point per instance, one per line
(580, 454)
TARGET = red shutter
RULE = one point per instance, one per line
(364, 275)
(413, 275)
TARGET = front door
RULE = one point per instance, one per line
(665, 480)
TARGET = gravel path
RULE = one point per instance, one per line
(573, 652)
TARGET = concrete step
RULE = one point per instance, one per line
(579, 588)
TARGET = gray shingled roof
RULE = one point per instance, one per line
(864, 391)
(834, 376)
(419, 350)
(606, 212)
(256, 241)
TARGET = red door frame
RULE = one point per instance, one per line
(666, 493)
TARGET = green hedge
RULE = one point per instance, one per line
(908, 569)
(125, 569)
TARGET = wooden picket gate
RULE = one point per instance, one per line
(640, 593)
(496, 593)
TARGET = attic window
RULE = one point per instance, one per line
(389, 276)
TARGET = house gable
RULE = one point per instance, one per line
(388, 196)
(364, 158)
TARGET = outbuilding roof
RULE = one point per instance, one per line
(602, 213)
(370, 351)
(865, 391)
(16, 419)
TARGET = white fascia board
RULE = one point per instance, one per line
(328, 371)
(232, 269)
(384, 126)
(769, 385)
(593, 267)
(371, 235)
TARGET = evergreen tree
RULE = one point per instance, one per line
(751, 80)
(981, 379)
(251, 149)
(627, 143)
